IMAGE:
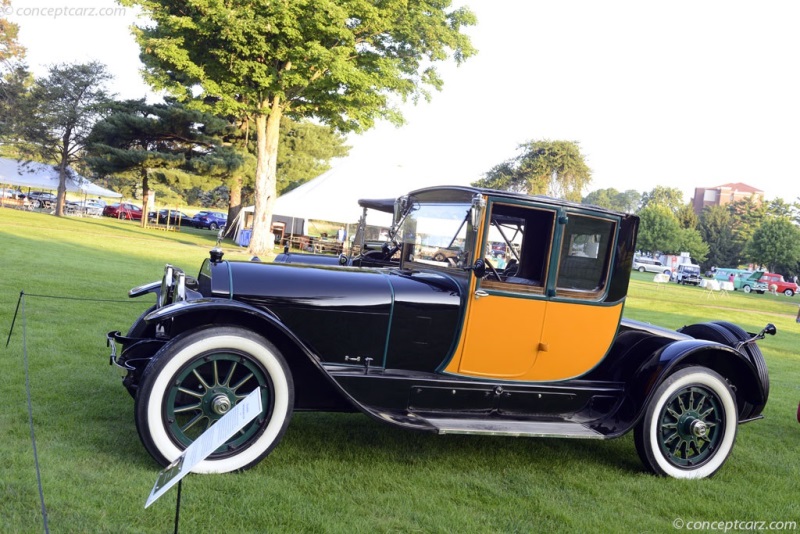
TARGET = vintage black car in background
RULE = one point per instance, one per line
(444, 343)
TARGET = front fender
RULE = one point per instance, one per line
(314, 387)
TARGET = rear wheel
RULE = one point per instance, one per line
(196, 379)
(213, 226)
(746, 288)
(689, 426)
(641, 269)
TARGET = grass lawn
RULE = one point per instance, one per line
(334, 472)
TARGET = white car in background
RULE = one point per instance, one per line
(650, 265)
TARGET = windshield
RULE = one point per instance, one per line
(435, 233)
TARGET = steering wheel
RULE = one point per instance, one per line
(492, 270)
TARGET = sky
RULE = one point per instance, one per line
(682, 94)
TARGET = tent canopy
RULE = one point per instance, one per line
(334, 195)
(45, 177)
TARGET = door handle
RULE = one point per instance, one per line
(481, 293)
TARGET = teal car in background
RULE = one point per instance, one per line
(743, 280)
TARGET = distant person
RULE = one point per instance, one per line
(730, 278)
(341, 235)
(794, 279)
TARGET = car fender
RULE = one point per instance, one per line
(726, 360)
(643, 382)
(314, 386)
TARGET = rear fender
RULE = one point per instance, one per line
(725, 360)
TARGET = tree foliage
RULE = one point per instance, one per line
(670, 197)
(554, 168)
(626, 201)
(9, 34)
(716, 230)
(338, 61)
(305, 151)
(659, 230)
(776, 242)
(162, 143)
(59, 114)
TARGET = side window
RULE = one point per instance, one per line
(585, 255)
(519, 246)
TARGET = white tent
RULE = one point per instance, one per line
(333, 196)
(45, 177)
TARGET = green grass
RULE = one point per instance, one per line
(333, 472)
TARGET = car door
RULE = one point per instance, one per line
(546, 320)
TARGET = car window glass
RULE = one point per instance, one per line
(585, 254)
(518, 245)
(436, 234)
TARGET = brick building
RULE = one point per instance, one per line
(723, 194)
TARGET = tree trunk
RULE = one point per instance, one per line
(145, 199)
(234, 205)
(61, 197)
(267, 134)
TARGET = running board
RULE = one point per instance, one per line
(497, 427)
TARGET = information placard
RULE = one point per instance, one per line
(209, 441)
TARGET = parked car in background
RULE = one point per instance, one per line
(213, 220)
(41, 199)
(413, 342)
(744, 280)
(650, 265)
(171, 217)
(87, 207)
(781, 285)
(123, 210)
(11, 193)
(687, 273)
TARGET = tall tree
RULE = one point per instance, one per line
(9, 32)
(670, 197)
(339, 61)
(305, 151)
(61, 110)
(554, 168)
(775, 242)
(627, 201)
(716, 230)
(15, 80)
(165, 143)
(659, 230)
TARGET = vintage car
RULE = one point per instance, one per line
(539, 348)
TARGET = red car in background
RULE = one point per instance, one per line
(123, 210)
(781, 285)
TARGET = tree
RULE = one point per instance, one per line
(670, 197)
(659, 230)
(690, 240)
(304, 152)
(338, 61)
(716, 230)
(775, 242)
(60, 113)
(627, 201)
(165, 143)
(746, 217)
(9, 31)
(554, 168)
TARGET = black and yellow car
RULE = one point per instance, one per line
(539, 348)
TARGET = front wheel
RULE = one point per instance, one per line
(788, 293)
(641, 269)
(689, 427)
(196, 379)
(212, 226)
(747, 289)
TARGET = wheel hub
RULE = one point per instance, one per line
(220, 404)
